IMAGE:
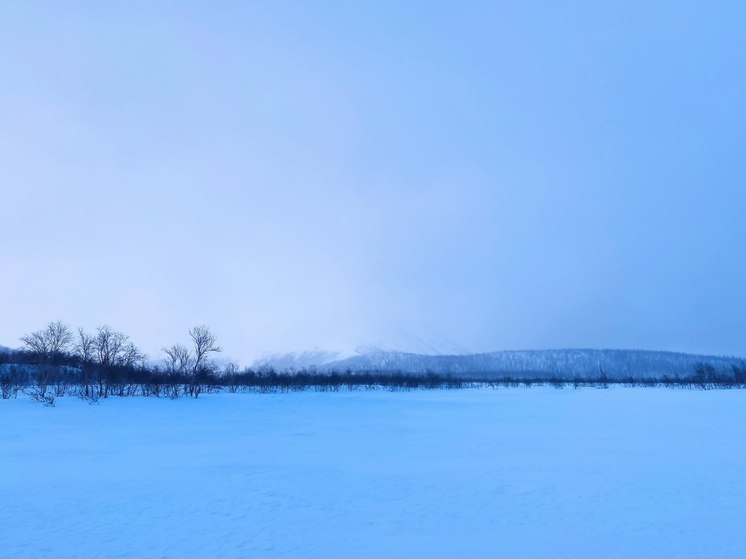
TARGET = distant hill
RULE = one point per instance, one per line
(615, 363)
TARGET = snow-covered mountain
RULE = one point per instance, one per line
(298, 361)
(615, 363)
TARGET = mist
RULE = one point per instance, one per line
(426, 178)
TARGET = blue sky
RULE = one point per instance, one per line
(415, 175)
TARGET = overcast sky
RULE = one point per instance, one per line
(424, 176)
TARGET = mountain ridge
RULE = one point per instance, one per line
(615, 363)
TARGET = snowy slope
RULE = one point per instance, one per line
(299, 360)
(538, 473)
(564, 362)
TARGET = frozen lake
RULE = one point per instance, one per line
(476, 473)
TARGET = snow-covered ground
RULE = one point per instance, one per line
(477, 473)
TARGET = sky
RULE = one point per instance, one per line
(435, 177)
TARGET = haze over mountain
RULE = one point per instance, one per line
(427, 176)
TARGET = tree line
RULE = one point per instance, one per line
(57, 361)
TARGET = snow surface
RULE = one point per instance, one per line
(476, 473)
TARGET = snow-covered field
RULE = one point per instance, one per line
(477, 473)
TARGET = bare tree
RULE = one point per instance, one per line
(85, 351)
(84, 348)
(11, 381)
(49, 344)
(112, 348)
(130, 356)
(205, 342)
(178, 359)
(107, 344)
(178, 362)
(53, 340)
(231, 376)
